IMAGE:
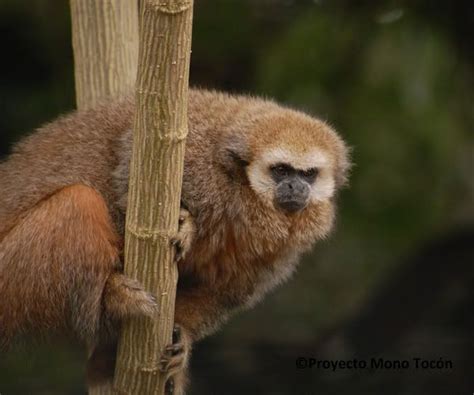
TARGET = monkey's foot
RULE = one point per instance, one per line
(125, 297)
(184, 238)
(176, 355)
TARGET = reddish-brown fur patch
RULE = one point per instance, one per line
(54, 263)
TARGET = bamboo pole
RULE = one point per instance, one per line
(160, 130)
(105, 44)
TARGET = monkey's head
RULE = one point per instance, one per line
(290, 160)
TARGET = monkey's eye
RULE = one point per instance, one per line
(309, 174)
(281, 170)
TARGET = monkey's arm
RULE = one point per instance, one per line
(198, 311)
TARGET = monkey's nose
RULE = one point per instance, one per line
(296, 187)
(292, 195)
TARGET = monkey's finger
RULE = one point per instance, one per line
(169, 386)
(176, 334)
(179, 252)
(172, 365)
(175, 241)
(175, 349)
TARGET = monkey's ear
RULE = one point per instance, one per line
(233, 156)
(344, 166)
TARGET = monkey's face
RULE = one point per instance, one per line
(290, 160)
(291, 181)
(293, 186)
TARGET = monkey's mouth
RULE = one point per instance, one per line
(291, 205)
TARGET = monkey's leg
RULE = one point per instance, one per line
(101, 365)
(174, 363)
(55, 264)
(199, 312)
(196, 314)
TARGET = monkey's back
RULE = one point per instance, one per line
(80, 148)
(93, 148)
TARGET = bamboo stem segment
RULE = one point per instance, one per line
(160, 129)
(105, 44)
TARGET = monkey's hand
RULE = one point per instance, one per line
(175, 361)
(184, 238)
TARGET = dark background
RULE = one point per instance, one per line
(396, 278)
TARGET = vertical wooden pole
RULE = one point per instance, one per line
(160, 130)
(105, 44)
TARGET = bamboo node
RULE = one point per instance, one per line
(153, 235)
(153, 369)
(179, 137)
(170, 7)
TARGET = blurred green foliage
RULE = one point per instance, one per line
(393, 78)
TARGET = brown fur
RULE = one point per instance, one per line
(63, 203)
(55, 262)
